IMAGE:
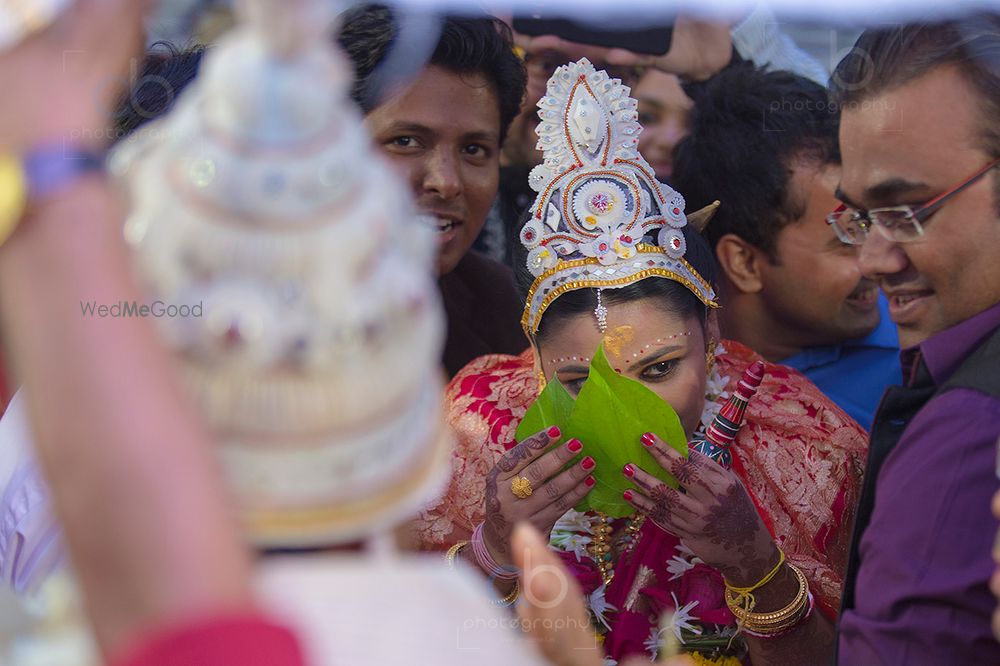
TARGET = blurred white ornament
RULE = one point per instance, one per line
(315, 359)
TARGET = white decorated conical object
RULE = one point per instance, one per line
(314, 340)
(20, 18)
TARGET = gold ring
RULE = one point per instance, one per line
(521, 487)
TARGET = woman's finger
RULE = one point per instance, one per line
(551, 463)
(526, 452)
(661, 510)
(556, 508)
(660, 492)
(692, 472)
(551, 491)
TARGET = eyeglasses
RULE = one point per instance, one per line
(898, 224)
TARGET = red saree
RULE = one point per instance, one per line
(799, 456)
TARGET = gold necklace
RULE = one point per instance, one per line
(600, 550)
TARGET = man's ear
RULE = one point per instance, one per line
(741, 262)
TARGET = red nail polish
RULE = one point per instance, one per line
(553, 432)
(574, 446)
(589, 482)
(627, 495)
(628, 470)
(588, 463)
(648, 439)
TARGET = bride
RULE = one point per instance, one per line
(611, 259)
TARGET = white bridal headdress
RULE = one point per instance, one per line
(601, 219)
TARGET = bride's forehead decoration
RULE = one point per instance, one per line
(601, 220)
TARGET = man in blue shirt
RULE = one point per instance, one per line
(855, 373)
(765, 145)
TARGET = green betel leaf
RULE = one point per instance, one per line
(552, 408)
(610, 415)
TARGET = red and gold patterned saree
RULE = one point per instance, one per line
(799, 456)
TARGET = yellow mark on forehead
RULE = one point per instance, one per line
(618, 337)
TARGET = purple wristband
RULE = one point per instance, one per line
(51, 168)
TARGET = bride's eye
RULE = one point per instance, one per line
(659, 371)
(574, 385)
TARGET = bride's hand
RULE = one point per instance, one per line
(712, 513)
(554, 490)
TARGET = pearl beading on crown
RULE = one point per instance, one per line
(601, 219)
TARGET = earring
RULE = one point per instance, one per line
(542, 382)
(710, 356)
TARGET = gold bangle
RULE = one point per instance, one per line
(510, 598)
(777, 621)
(742, 597)
(776, 616)
(452, 553)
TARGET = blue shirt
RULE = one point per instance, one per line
(855, 373)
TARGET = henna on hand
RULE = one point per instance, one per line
(726, 531)
(495, 527)
(689, 472)
(732, 523)
(665, 504)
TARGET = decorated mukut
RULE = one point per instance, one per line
(730, 542)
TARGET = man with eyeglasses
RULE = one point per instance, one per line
(920, 141)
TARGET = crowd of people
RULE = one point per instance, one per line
(723, 221)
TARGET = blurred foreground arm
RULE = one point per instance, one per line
(698, 50)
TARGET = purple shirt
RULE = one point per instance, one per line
(921, 594)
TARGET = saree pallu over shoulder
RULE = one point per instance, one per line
(799, 456)
(485, 403)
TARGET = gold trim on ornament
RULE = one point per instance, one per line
(530, 322)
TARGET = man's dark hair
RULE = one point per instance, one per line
(887, 58)
(166, 71)
(891, 57)
(466, 46)
(747, 128)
